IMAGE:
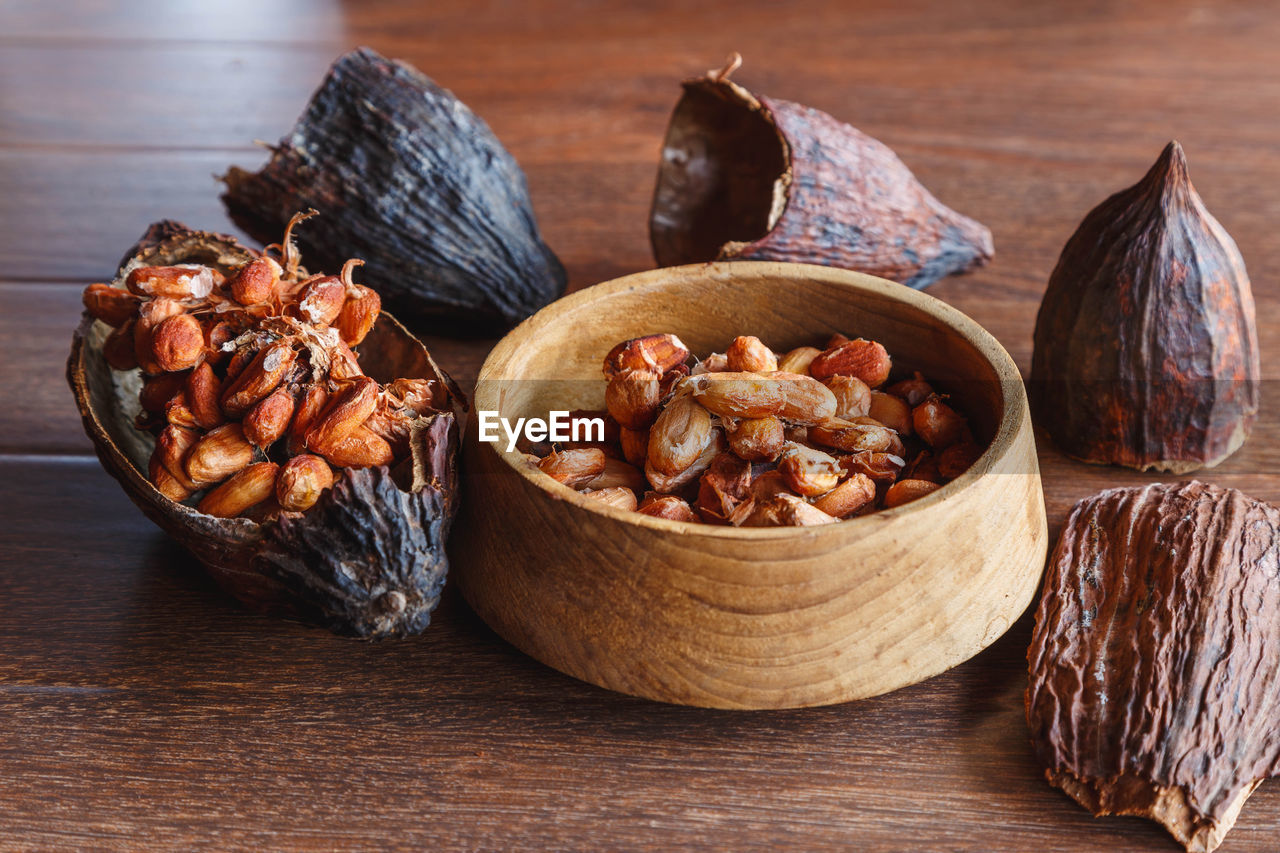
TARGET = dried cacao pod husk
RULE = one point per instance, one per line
(414, 183)
(748, 177)
(1155, 661)
(368, 559)
(1146, 348)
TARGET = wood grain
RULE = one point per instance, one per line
(143, 708)
(215, 723)
(130, 104)
(69, 215)
(149, 21)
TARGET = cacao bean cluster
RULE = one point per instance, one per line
(251, 383)
(748, 438)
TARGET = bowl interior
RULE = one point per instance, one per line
(553, 361)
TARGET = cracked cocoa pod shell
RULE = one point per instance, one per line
(1146, 349)
(748, 177)
(414, 183)
(1155, 661)
(368, 559)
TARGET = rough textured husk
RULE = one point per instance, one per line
(755, 178)
(1155, 661)
(407, 178)
(1146, 351)
(368, 559)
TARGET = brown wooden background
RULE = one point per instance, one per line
(140, 707)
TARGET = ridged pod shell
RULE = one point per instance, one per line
(747, 177)
(1155, 662)
(368, 559)
(1146, 351)
(409, 179)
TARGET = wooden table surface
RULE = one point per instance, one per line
(142, 708)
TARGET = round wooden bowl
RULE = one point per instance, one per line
(750, 618)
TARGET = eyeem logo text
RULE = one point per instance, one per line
(557, 427)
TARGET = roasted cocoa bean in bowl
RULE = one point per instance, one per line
(718, 615)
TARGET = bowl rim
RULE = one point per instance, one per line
(1014, 406)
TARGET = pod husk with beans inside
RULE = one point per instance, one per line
(368, 559)
(1155, 661)
(414, 182)
(748, 177)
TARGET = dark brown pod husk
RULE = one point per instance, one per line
(413, 182)
(368, 559)
(747, 177)
(1155, 661)
(1146, 349)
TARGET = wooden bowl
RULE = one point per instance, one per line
(750, 618)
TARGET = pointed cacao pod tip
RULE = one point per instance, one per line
(1146, 346)
(404, 174)
(1153, 664)
(746, 177)
(1168, 177)
(1172, 163)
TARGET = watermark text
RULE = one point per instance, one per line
(558, 426)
